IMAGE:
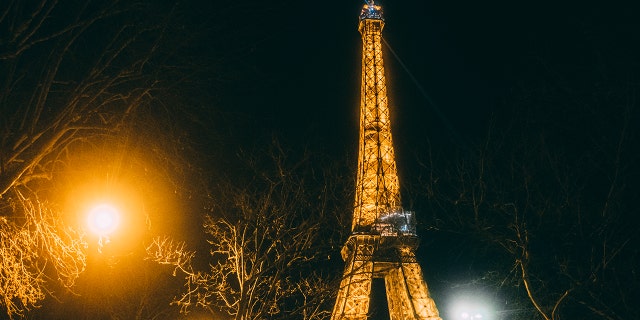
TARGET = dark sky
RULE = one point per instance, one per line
(298, 63)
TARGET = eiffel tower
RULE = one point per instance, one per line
(383, 238)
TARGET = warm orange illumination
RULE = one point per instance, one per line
(377, 185)
(103, 219)
(383, 239)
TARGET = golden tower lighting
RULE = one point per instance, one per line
(383, 239)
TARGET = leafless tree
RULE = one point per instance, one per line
(59, 86)
(556, 216)
(269, 237)
(42, 234)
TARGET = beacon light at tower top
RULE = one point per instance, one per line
(371, 11)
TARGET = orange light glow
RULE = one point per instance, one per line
(103, 219)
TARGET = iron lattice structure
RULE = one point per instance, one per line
(383, 239)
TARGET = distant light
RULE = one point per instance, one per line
(103, 219)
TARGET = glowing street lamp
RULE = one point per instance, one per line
(103, 219)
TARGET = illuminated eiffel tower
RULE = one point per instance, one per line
(383, 239)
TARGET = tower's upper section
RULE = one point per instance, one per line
(371, 11)
(377, 206)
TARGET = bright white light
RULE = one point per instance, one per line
(466, 315)
(471, 306)
(103, 219)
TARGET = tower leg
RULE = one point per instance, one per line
(355, 288)
(408, 295)
(397, 295)
(423, 306)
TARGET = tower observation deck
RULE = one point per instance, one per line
(383, 238)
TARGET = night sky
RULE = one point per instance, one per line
(297, 67)
(291, 69)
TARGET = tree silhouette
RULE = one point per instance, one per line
(548, 196)
(270, 235)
